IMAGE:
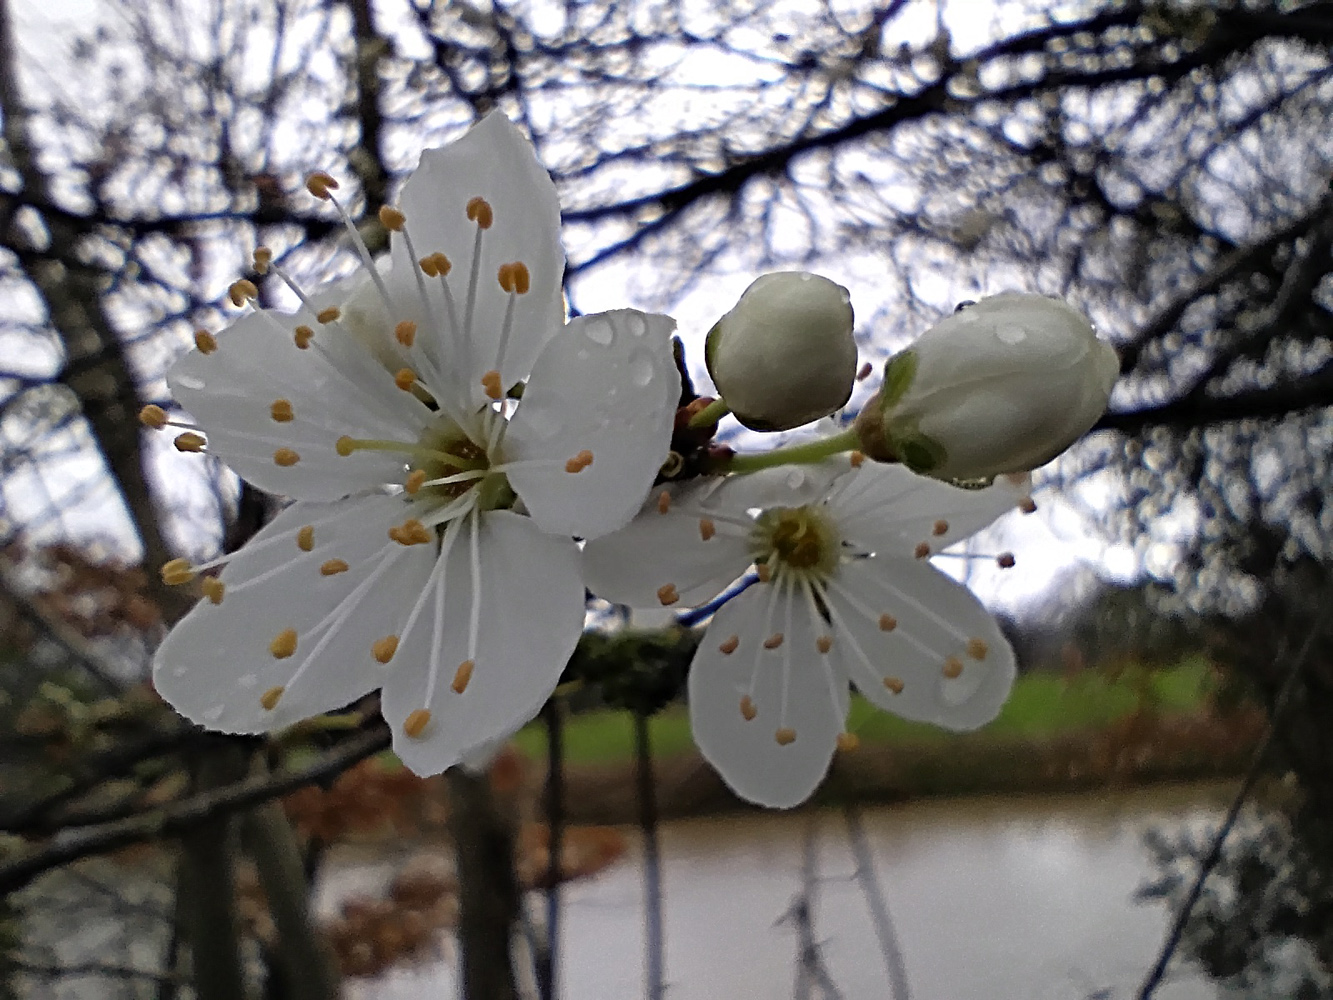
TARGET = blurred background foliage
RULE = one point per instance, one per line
(1164, 166)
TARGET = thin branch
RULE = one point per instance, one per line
(188, 813)
(1214, 855)
(654, 937)
(879, 909)
(548, 967)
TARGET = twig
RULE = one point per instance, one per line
(187, 813)
(92, 969)
(652, 861)
(879, 909)
(810, 960)
(1214, 855)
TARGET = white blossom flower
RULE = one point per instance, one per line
(846, 595)
(1002, 385)
(784, 355)
(430, 550)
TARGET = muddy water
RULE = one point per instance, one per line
(1004, 899)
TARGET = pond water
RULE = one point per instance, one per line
(1015, 898)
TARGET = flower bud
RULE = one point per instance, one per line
(785, 354)
(1002, 385)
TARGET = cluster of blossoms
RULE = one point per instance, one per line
(448, 439)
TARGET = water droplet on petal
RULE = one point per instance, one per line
(583, 354)
(177, 671)
(795, 479)
(248, 681)
(190, 382)
(638, 326)
(600, 332)
(213, 714)
(641, 368)
(1010, 334)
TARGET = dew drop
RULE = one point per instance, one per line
(248, 681)
(583, 354)
(600, 333)
(795, 478)
(641, 368)
(190, 382)
(1010, 334)
(177, 671)
(213, 714)
(638, 326)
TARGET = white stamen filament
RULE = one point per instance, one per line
(458, 509)
(253, 546)
(845, 635)
(344, 608)
(504, 333)
(364, 253)
(437, 633)
(757, 645)
(834, 684)
(474, 618)
(472, 282)
(436, 572)
(786, 654)
(851, 599)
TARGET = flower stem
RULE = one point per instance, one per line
(710, 414)
(796, 454)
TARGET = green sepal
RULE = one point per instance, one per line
(915, 450)
(899, 371)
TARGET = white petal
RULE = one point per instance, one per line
(495, 162)
(781, 486)
(935, 618)
(891, 510)
(530, 615)
(656, 550)
(216, 664)
(608, 385)
(792, 686)
(335, 389)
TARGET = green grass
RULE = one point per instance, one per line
(1041, 705)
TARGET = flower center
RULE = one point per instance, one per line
(799, 541)
(451, 463)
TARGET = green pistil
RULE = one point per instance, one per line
(346, 446)
(797, 454)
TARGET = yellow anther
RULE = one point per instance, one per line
(344, 446)
(383, 649)
(410, 532)
(462, 675)
(304, 335)
(281, 411)
(824, 643)
(190, 441)
(416, 722)
(177, 571)
(764, 571)
(847, 742)
(865, 371)
(729, 647)
(707, 529)
(427, 265)
(415, 479)
(748, 709)
(242, 292)
(392, 219)
(405, 333)
(320, 184)
(405, 379)
(441, 263)
(305, 538)
(579, 462)
(270, 698)
(213, 588)
(663, 502)
(1027, 505)
(283, 644)
(328, 315)
(785, 736)
(491, 383)
(858, 459)
(153, 416)
(668, 594)
(977, 648)
(285, 457)
(333, 567)
(522, 280)
(479, 211)
(1005, 560)
(506, 277)
(887, 623)
(953, 667)
(921, 551)
(263, 258)
(205, 342)
(940, 527)
(773, 641)
(894, 684)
